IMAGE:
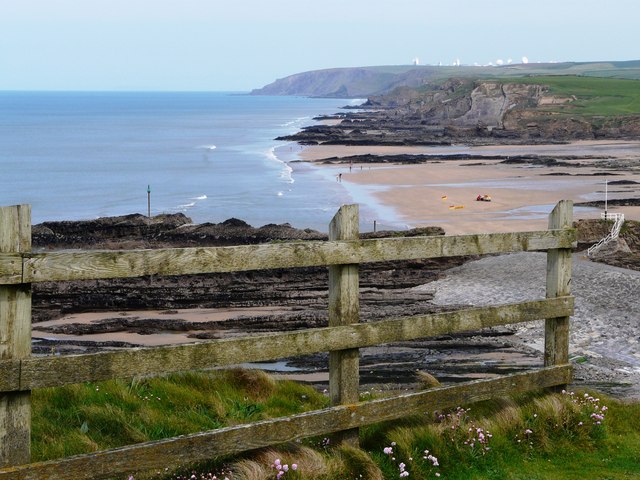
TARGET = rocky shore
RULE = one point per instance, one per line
(299, 294)
(155, 310)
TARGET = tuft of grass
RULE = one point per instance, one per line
(427, 380)
(358, 464)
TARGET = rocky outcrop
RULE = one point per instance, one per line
(106, 232)
(467, 111)
(139, 231)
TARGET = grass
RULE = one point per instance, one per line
(533, 436)
(529, 437)
(86, 417)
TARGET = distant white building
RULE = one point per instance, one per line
(416, 61)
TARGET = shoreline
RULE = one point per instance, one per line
(443, 193)
(371, 207)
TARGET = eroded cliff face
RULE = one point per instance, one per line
(463, 102)
(491, 102)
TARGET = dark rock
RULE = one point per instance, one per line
(234, 222)
(623, 182)
(107, 230)
(138, 231)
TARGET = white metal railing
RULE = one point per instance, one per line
(618, 220)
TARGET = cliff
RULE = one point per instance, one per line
(476, 111)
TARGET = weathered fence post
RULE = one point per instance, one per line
(15, 339)
(556, 335)
(344, 309)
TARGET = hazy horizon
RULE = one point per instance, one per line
(200, 45)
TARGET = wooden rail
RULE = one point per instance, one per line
(16, 268)
(20, 372)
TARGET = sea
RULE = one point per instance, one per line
(209, 155)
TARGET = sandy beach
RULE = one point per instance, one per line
(444, 193)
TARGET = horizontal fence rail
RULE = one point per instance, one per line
(39, 372)
(20, 372)
(91, 265)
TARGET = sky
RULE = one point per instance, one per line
(238, 45)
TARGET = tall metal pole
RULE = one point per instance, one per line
(149, 201)
(605, 198)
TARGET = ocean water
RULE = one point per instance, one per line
(211, 156)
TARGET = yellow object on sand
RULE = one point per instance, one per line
(455, 207)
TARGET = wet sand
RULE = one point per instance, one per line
(444, 193)
(164, 337)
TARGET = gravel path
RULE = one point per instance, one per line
(605, 329)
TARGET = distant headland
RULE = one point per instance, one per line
(359, 82)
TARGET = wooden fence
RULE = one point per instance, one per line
(342, 253)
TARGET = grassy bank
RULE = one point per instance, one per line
(536, 436)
